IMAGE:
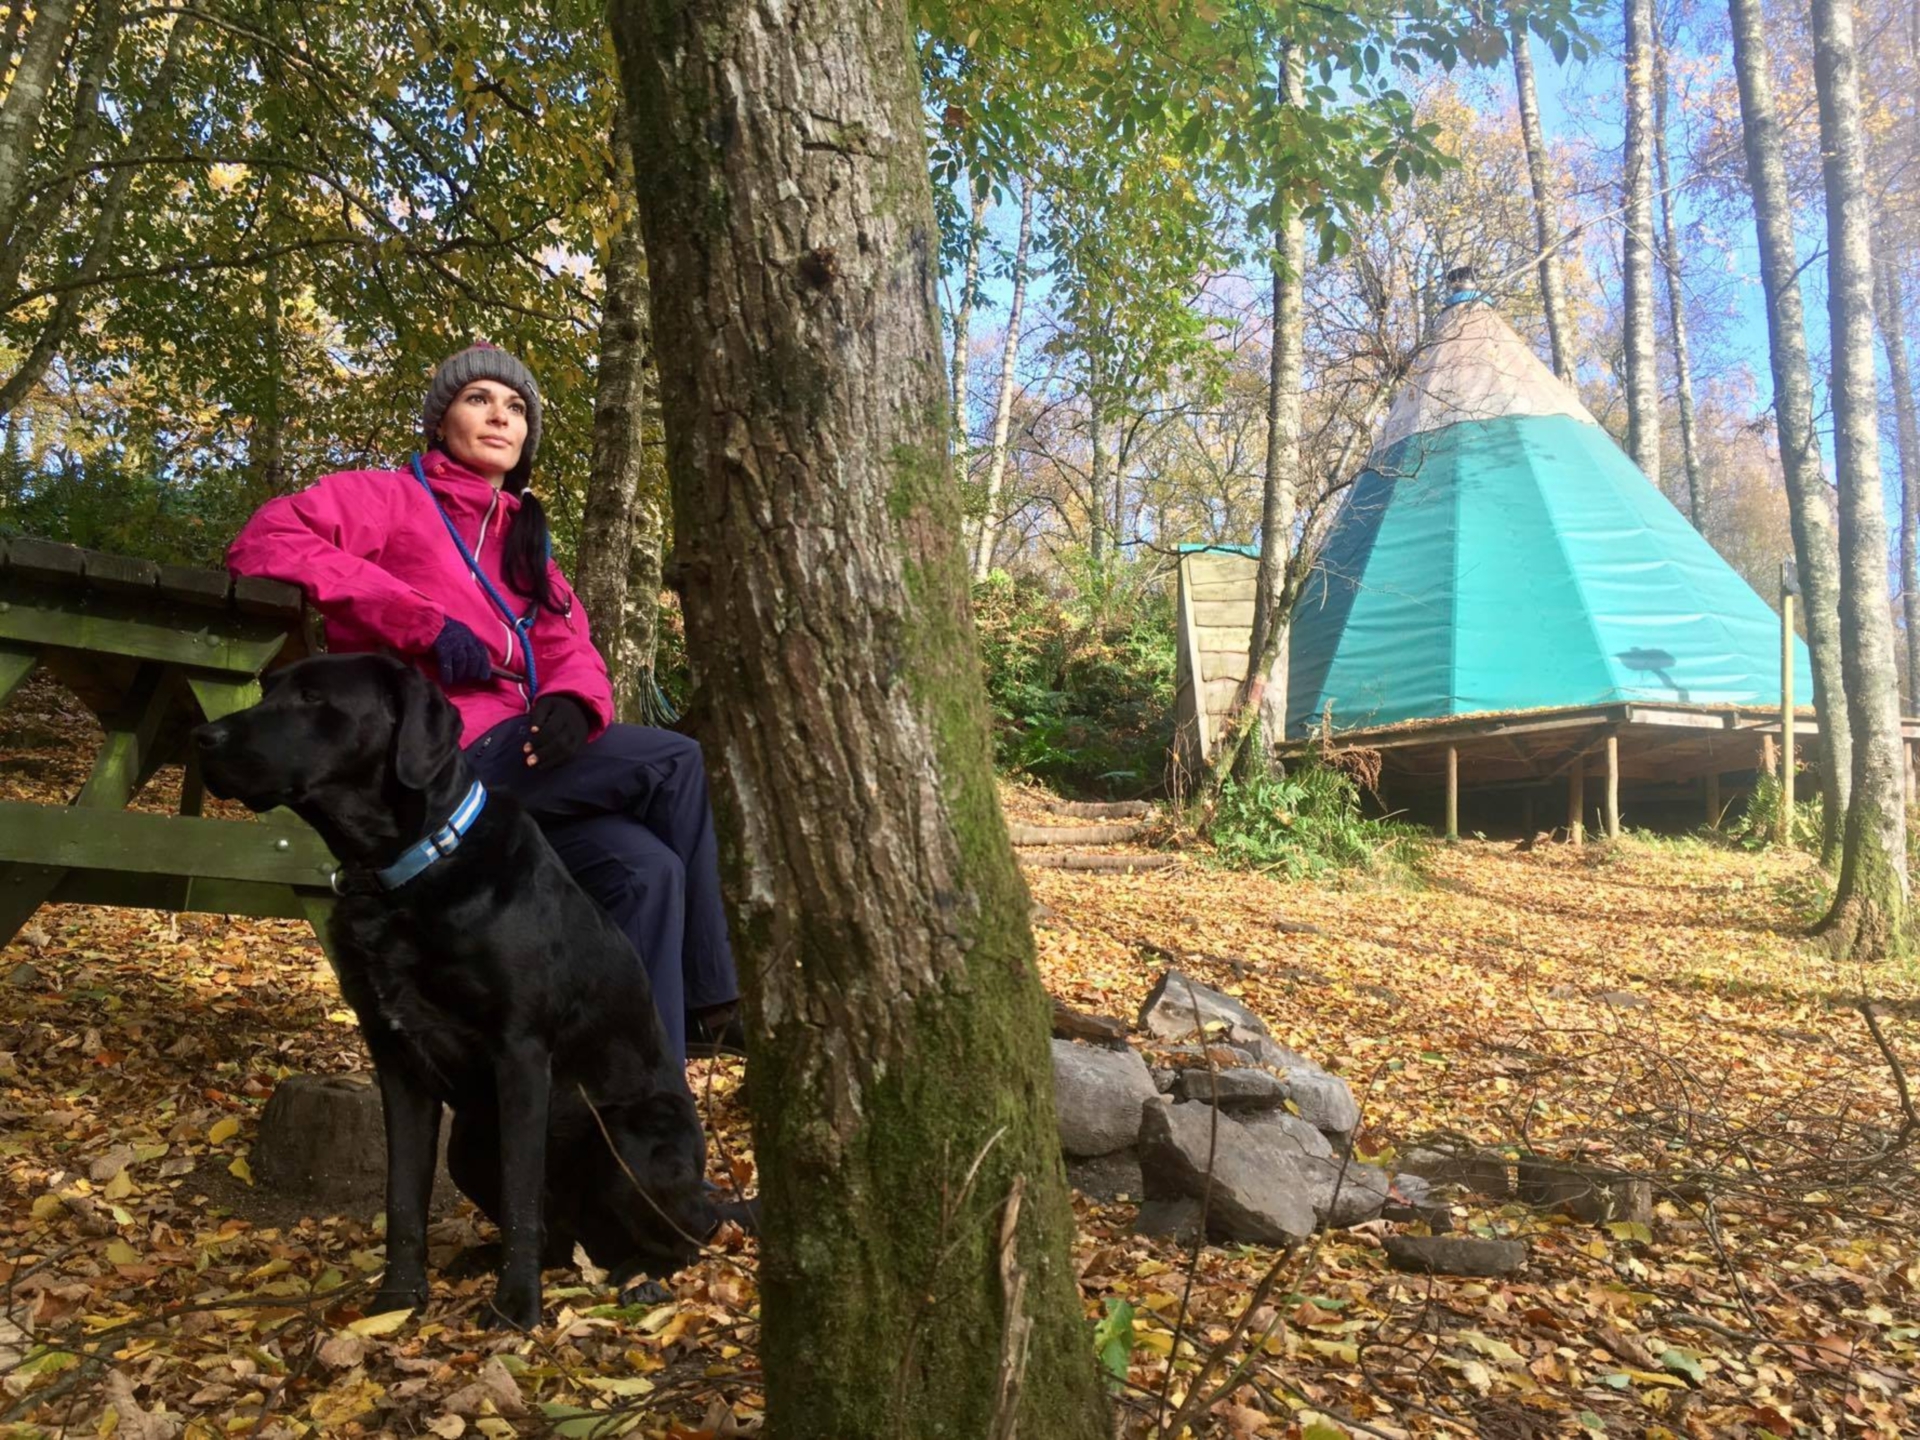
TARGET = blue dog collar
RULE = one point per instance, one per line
(440, 843)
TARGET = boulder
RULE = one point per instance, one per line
(1164, 1079)
(1071, 1024)
(1454, 1255)
(1343, 1195)
(1171, 1010)
(1177, 1220)
(1324, 1101)
(1096, 1096)
(1413, 1198)
(1257, 1195)
(1592, 1193)
(1235, 1089)
(1478, 1172)
(1293, 1135)
(1107, 1177)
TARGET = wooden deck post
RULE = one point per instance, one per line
(1526, 814)
(1613, 787)
(1713, 799)
(1769, 765)
(1453, 793)
(1577, 802)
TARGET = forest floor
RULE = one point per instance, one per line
(1649, 1005)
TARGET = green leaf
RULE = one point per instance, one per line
(1685, 1362)
(1113, 1340)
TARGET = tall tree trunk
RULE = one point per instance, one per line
(1546, 207)
(1676, 293)
(989, 531)
(1636, 260)
(1809, 504)
(1869, 916)
(1891, 305)
(601, 572)
(268, 450)
(962, 323)
(27, 99)
(637, 698)
(1097, 479)
(1249, 729)
(903, 1096)
(155, 108)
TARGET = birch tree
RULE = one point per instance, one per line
(1546, 204)
(1642, 365)
(989, 532)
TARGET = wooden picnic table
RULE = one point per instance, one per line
(151, 650)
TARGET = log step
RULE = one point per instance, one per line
(1073, 834)
(1101, 809)
(1122, 864)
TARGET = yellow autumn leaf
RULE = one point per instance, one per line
(240, 1170)
(121, 1253)
(384, 1323)
(119, 1187)
(223, 1131)
(47, 1206)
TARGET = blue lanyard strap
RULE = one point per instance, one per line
(521, 625)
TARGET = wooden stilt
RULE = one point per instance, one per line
(1713, 799)
(1577, 803)
(1769, 762)
(1453, 793)
(1613, 787)
(1526, 814)
(1913, 782)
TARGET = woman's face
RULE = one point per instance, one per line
(485, 429)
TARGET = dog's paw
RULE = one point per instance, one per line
(513, 1307)
(398, 1296)
(643, 1291)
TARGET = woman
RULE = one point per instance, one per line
(447, 562)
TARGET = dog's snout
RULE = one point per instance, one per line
(209, 737)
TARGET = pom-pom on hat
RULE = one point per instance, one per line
(483, 362)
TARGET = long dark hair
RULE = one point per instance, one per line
(529, 545)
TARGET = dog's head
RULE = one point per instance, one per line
(332, 731)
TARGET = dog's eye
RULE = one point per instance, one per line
(309, 695)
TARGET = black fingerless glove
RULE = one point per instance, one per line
(560, 726)
(462, 658)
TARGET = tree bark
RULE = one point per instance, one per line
(1546, 207)
(1891, 305)
(1097, 478)
(989, 531)
(1809, 503)
(1869, 915)
(902, 1096)
(1643, 373)
(637, 698)
(601, 572)
(1676, 294)
(20, 112)
(1252, 713)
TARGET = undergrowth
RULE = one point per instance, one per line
(1307, 822)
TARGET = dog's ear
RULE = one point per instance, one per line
(426, 728)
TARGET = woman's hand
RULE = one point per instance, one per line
(463, 659)
(560, 725)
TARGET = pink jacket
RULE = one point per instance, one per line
(374, 557)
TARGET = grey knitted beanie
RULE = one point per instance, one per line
(483, 362)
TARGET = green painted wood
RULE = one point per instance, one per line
(16, 663)
(236, 648)
(145, 844)
(24, 888)
(221, 697)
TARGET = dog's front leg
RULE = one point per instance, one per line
(522, 1076)
(413, 1139)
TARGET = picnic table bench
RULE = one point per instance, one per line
(151, 650)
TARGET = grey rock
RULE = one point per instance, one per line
(1107, 1177)
(1478, 1172)
(1592, 1193)
(1071, 1024)
(1290, 1133)
(24, 976)
(1415, 1198)
(1177, 1220)
(1253, 1089)
(1624, 1000)
(1344, 1195)
(1217, 1050)
(1454, 1255)
(1097, 1095)
(1164, 1079)
(1323, 1100)
(1177, 1002)
(1257, 1195)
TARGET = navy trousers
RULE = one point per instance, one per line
(630, 818)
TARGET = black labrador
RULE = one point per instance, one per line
(488, 980)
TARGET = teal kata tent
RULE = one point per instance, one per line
(1502, 553)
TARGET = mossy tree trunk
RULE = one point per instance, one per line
(1869, 916)
(902, 1087)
